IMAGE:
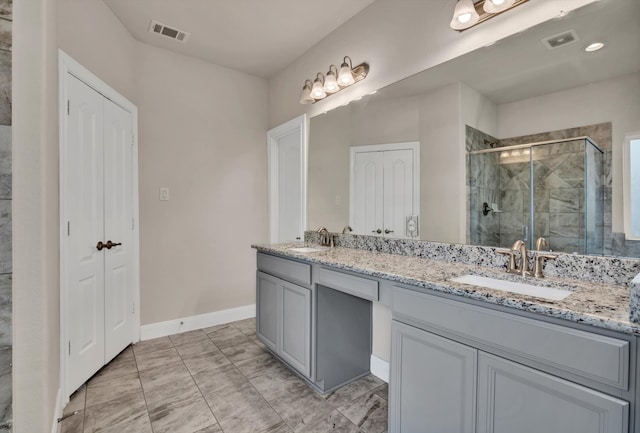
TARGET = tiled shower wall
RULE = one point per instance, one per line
(559, 193)
(483, 186)
(6, 19)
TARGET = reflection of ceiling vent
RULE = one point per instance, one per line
(559, 40)
(169, 32)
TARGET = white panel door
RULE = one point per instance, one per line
(118, 228)
(368, 193)
(85, 227)
(398, 191)
(289, 188)
(287, 147)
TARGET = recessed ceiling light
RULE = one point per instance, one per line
(594, 47)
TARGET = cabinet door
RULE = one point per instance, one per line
(516, 399)
(296, 327)
(433, 383)
(267, 303)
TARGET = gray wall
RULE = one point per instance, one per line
(6, 21)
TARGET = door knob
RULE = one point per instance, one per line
(376, 231)
(100, 246)
(110, 244)
(387, 231)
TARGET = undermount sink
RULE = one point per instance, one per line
(307, 249)
(549, 293)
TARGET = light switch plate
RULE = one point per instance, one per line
(412, 226)
(164, 193)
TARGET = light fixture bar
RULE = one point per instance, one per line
(484, 16)
(318, 90)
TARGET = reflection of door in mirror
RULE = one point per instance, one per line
(287, 181)
(384, 197)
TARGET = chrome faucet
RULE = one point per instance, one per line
(325, 238)
(346, 230)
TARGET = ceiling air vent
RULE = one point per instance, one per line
(560, 40)
(161, 29)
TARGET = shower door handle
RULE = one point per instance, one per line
(525, 233)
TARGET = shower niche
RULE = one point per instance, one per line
(551, 189)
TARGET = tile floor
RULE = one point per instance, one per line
(219, 379)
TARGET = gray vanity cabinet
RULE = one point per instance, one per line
(451, 358)
(433, 382)
(295, 327)
(283, 320)
(513, 398)
(267, 294)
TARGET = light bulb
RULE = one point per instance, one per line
(497, 6)
(464, 15)
(464, 18)
(305, 97)
(317, 92)
(345, 77)
(330, 83)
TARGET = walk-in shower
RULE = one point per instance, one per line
(551, 189)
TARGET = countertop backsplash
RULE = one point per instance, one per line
(598, 269)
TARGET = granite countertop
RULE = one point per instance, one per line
(597, 304)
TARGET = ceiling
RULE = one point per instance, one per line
(254, 36)
(521, 67)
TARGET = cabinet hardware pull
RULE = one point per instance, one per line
(387, 231)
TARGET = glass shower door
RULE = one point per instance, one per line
(558, 195)
(515, 183)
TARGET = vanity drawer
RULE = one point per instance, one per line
(289, 270)
(351, 284)
(591, 356)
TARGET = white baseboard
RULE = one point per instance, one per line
(380, 368)
(191, 323)
(57, 413)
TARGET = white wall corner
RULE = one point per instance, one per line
(380, 368)
(191, 323)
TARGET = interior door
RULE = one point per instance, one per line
(367, 216)
(287, 146)
(118, 228)
(398, 191)
(85, 227)
(289, 188)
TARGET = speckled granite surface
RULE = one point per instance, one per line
(603, 304)
(598, 269)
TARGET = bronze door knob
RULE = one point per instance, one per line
(110, 244)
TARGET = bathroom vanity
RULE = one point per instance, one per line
(463, 358)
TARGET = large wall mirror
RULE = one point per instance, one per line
(520, 139)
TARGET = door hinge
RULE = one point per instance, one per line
(133, 310)
(68, 228)
(133, 223)
(133, 138)
(68, 106)
(69, 347)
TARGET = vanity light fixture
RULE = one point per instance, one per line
(464, 15)
(333, 82)
(317, 91)
(469, 13)
(306, 98)
(497, 6)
